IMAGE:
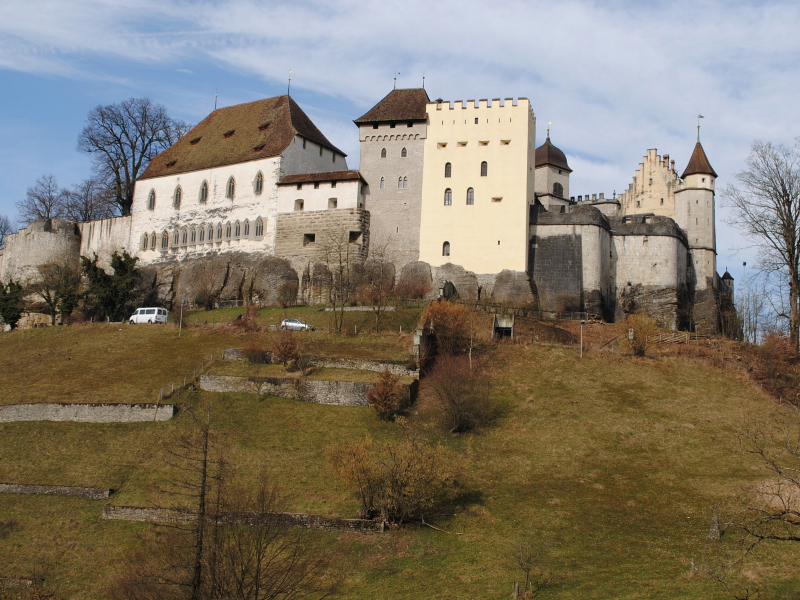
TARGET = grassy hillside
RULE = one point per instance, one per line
(613, 464)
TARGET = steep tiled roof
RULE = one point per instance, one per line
(698, 164)
(398, 105)
(547, 154)
(236, 134)
(311, 177)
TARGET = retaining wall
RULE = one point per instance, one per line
(87, 413)
(354, 364)
(342, 393)
(55, 490)
(171, 516)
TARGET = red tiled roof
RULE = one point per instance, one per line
(312, 177)
(698, 163)
(236, 134)
(398, 105)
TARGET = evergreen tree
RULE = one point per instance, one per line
(112, 293)
(11, 303)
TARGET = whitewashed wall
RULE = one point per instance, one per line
(310, 159)
(346, 193)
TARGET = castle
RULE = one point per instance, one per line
(455, 192)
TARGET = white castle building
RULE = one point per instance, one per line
(457, 191)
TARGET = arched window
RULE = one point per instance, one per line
(153, 241)
(184, 237)
(448, 169)
(259, 182)
(151, 200)
(175, 237)
(403, 153)
(193, 236)
(399, 183)
(228, 231)
(219, 232)
(145, 240)
(176, 200)
(246, 228)
(383, 183)
(448, 197)
(558, 190)
(446, 249)
(383, 152)
(210, 233)
(204, 191)
(237, 229)
(470, 196)
(484, 169)
(405, 183)
(231, 188)
(202, 234)
(259, 228)
(164, 240)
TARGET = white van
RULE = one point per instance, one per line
(149, 315)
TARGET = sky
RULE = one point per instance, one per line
(615, 77)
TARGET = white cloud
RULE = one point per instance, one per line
(616, 77)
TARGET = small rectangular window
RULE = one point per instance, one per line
(354, 237)
(375, 126)
(476, 120)
(333, 184)
(505, 142)
(484, 143)
(441, 145)
(462, 144)
(299, 186)
(309, 238)
(316, 185)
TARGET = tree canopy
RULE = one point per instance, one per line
(112, 294)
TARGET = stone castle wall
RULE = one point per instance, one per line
(42, 242)
(105, 237)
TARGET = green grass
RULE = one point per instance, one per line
(615, 464)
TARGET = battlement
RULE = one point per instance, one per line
(593, 198)
(482, 104)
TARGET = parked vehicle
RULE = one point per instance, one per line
(296, 325)
(149, 315)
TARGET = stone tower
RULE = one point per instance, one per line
(694, 213)
(392, 136)
(552, 176)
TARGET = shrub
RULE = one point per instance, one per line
(450, 323)
(644, 330)
(460, 395)
(384, 396)
(284, 347)
(402, 480)
(287, 293)
(414, 287)
(256, 353)
(11, 303)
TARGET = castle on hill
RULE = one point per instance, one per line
(453, 193)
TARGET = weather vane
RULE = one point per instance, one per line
(396, 73)
(548, 128)
(289, 89)
(699, 116)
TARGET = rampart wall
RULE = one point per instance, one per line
(104, 237)
(87, 413)
(41, 242)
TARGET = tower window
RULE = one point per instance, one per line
(448, 170)
(403, 153)
(383, 152)
(383, 183)
(470, 196)
(448, 197)
(399, 183)
(484, 169)
(405, 183)
(476, 120)
(662, 201)
(638, 203)
(558, 190)
(446, 249)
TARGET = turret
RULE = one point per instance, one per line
(552, 175)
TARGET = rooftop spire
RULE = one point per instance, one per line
(548, 129)
(699, 116)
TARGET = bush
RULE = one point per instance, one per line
(287, 293)
(11, 303)
(644, 330)
(402, 480)
(777, 365)
(256, 353)
(450, 323)
(284, 348)
(414, 287)
(460, 395)
(384, 396)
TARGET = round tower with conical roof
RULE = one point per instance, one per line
(551, 184)
(695, 213)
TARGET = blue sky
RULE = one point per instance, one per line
(615, 77)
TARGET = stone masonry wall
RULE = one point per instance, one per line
(87, 413)
(42, 242)
(357, 364)
(55, 490)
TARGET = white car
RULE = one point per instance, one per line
(149, 315)
(296, 325)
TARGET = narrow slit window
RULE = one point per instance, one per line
(446, 249)
(470, 196)
(448, 170)
(448, 197)
(484, 169)
(259, 182)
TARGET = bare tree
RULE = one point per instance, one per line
(750, 307)
(766, 207)
(7, 227)
(89, 200)
(527, 556)
(340, 257)
(44, 200)
(59, 288)
(378, 286)
(123, 138)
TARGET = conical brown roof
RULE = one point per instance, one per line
(236, 134)
(698, 164)
(398, 105)
(547, 154)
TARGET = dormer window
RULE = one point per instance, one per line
(259, 148)
(172, 163)
(228, 133)
(263, 126)
(194, 141)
